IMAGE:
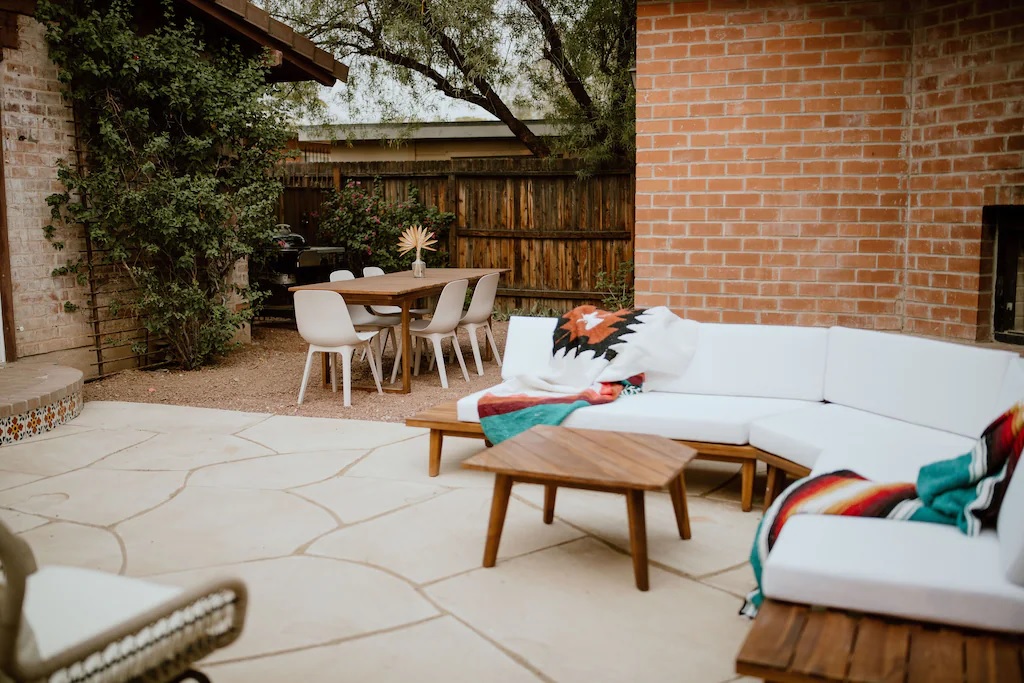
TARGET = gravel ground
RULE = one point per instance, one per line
(264, 377)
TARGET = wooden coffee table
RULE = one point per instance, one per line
(615, 462)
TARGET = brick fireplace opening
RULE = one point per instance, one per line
(1008, 304)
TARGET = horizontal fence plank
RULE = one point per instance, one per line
(551, 293)
(581, 234)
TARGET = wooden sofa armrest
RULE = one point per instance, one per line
(18, 564)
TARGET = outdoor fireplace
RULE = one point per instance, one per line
(1008, 314)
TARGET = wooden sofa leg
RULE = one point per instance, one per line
(436, 438)
(776, 482)
(747, 471)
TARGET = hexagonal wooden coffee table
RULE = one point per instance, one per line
(616, 462)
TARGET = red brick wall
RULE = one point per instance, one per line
(775, 176)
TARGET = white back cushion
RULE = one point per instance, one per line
(947, 386)
(528, 346)
(767, 361)
(1010, 527)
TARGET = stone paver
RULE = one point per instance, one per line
(442, 536)
(204, 526)
(276, 471)
(94, 496)
(438, 650)
(574, 613)
(354, 499)
(361, 567)
(171, 452)
(52, 456)
(302, 601)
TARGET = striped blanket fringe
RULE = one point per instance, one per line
(965, 491)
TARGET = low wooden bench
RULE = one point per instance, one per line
(791, 643)
(442, 420)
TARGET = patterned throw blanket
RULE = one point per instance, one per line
(597, 357)
(965, 491)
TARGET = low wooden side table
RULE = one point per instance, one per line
(615, 462)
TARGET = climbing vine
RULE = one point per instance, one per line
(181, 139)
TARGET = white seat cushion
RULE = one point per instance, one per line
(952, 387)
(875, 447)
(66, 605)
(913, 570)
(767, 361)
(716, 419)
(691, 417)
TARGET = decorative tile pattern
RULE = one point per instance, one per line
(42, 419)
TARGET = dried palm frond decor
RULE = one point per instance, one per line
(416, 237)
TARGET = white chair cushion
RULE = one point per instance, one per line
(1010, 527)
(875, 447)
(947, 386)
(768, 361)
(913, 570)
(691, 417)
(66, 605)
(528, 345)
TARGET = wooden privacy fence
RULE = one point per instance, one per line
(553, 228)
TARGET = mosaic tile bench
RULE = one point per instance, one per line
(36, 397)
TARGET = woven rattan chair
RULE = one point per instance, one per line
(74, 625)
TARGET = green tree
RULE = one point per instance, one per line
(569, 59)
(181, 138)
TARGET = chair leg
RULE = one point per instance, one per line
(346, 375)
(398, 358)
(375, 368)
(305, 374)
(475, 343)
(494, 344)
(458, 354)
(439, 354)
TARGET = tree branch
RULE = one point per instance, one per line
(554, 52)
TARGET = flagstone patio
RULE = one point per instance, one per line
(363, 568)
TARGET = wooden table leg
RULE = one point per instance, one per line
(677, 489)
(325, 358)
(499, 505)
(436, 440)
(549, 503)
(406, 349)
(637, 536)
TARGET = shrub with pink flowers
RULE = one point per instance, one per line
(359, 219)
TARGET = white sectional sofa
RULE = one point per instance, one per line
(819, 400)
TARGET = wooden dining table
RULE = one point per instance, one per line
(400, 289)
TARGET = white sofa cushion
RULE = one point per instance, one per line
(528, 345)
(1010, 527)
(950, 387)
(715, 419)
(875, 447)
(768, 361)
(691, 417)
(913, 570)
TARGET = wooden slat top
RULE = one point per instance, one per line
(587, 456)
(401, 283)
(798, 644)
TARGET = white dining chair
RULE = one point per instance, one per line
(363, 319)
(324, 322)
(442, 325)
(374, 271)
(479, 316)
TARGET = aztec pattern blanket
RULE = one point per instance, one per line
(965, 491)
(597, 357)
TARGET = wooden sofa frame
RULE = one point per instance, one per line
(442, 420)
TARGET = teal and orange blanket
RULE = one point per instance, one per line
(597, 356)
(965, 491)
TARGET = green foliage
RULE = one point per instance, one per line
(181, 140)
(567, 61)
(533, 311)
(359, 219)
(619, 287)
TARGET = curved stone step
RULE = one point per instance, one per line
(36, 397)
